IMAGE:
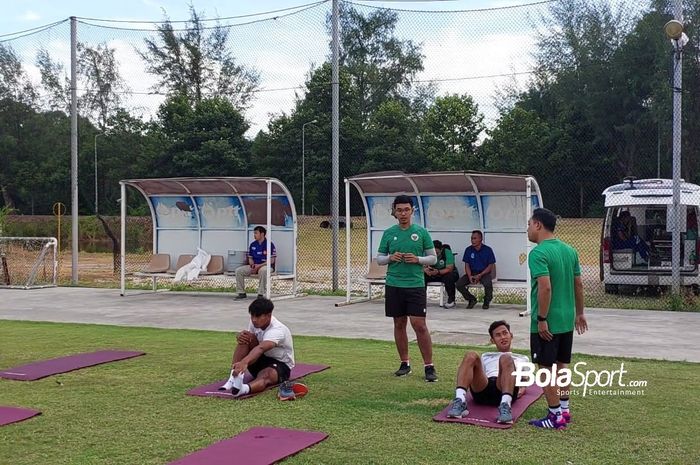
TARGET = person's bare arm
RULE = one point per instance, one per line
(580, 323)
(253, 355)
(544, 298)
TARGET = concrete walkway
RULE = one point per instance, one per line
(628, 333)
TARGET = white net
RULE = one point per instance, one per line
(28, 262)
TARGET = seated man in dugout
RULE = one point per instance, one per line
(443, 271)
(257, 263)
(479, 262)
(624, 235)
(489, 377)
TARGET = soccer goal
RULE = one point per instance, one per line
(28, 262)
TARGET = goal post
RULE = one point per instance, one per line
(28, 262)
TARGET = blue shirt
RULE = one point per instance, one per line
(258, 251)
(478, 260)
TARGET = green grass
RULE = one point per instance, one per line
(136, 411)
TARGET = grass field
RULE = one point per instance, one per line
(136, 411)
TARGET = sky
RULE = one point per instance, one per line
(461, 51)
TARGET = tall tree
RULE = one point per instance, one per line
(197, 63)
(103, 85)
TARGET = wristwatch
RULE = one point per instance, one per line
(541, 318)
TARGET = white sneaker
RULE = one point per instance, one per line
(227, 385)
(450, 305)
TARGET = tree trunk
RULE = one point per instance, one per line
(7, 198)
(115, 244)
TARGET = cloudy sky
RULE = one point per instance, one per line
(479, 51)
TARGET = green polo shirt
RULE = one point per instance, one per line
(445, 259)
(414, 239)
(559, 261)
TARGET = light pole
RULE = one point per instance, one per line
(303, 168)
(674, 31)
(96, 136)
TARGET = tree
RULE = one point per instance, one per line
(102, 84)
(451, 127)
(14, 83)
(204, 140)
(197, 63)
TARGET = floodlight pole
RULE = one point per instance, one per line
(74, 146)
(677, 106)
(335, 150)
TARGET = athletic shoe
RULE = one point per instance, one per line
(567, 417)
(504, 414)
(240, 296)
(227, 385)
(430, 374)
(403, 370)
(485, 306)
(260, 296)
(450, 304)
(471, 303)
(458, 409)
(286, 391)
(549, 422)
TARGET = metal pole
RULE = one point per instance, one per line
(122, 237)
(677, 101)
(348, 264)
(303, 172)
(96, 204)
(335, 150)
(74, 146)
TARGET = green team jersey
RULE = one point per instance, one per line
(559, 261)
(414, 239)
(445, 259)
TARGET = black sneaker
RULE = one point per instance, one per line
(240, 297)
(485, 306)
(430, 374)
(403, 370)
(471, 303)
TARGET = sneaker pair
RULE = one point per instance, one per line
(551, 421)
(458, 409)
(430, 373)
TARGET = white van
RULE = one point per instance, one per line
(635, 247)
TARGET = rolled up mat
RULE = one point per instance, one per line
(256, 446)
(485, 415)
(14, 414)
(54, 366)
(212, 389)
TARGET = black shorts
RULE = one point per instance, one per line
(491, 395)
(264, 361)
(546, 353)
(404, 301)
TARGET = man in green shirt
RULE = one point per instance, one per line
(406, 248)
(557, 308)
(443, 271)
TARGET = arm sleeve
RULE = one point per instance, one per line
(429, 259)
(273, 250)
(538, 264)
(275, 335)
(577, 265)
(492, 257)
(384, 245)
(383, 259)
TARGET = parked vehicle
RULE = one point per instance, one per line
(635, 248)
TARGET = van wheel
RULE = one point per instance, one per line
(612, 289)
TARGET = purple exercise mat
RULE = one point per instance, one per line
(212, 389)
(485, 415)
(14, 414)
(38, 370)
(257, 446)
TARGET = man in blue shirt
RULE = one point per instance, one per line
(257, 263)
(479, 262)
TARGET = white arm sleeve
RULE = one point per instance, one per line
(430, 258)
(383, 259)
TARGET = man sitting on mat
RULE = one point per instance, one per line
(490, 377)
(265, 349)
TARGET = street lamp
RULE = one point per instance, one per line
(96, 136)
(303, 167)
(674, 31)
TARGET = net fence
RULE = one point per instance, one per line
(540, 88)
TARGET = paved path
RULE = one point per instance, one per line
(629, 333)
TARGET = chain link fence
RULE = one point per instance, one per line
(544, 88)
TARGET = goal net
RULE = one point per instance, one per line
(28, 262)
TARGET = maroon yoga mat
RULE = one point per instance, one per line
(14, 414)
(257, 446)
(485, 415)
(212, 390)
(38, 370)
